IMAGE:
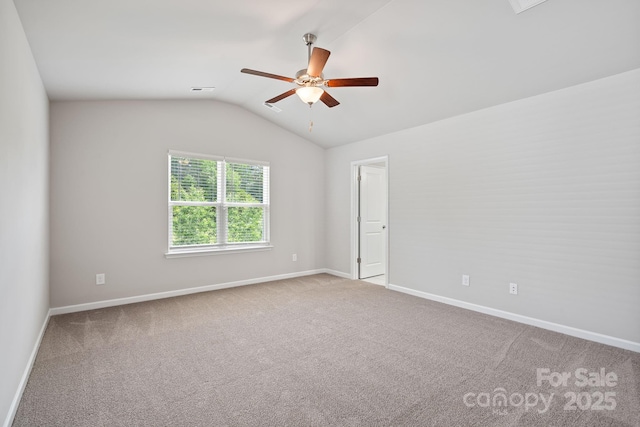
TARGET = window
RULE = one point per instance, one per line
(217, 204)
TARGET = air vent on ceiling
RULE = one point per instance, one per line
(202, 89)
(522, 5)
(272, 107)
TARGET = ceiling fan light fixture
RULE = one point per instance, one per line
(309, 94)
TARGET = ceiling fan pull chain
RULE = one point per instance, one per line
(310, 118)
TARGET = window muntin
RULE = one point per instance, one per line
(217, 203)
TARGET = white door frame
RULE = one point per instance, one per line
(354, 214)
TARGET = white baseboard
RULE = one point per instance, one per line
(556, 327)
(337, 273)
(25, 375)
(160, 295)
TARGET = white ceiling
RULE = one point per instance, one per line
(435, 58)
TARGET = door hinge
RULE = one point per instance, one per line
(358, 219)
(359, 260)
(359, 178)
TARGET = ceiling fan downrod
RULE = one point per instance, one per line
(309, 40)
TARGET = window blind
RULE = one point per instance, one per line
(215, 203)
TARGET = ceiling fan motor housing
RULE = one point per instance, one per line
(304, 79)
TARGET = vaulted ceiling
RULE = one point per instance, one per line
(435, 58)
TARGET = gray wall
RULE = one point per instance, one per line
(544, 192)
(24, 223)
(109, 196)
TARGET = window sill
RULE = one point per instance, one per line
(216, 251)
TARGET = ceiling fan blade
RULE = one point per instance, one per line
(318, 58)
(328, 100)
(262, 74)
(281, 96)
(358, 81)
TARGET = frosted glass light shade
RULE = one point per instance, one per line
(310, 94)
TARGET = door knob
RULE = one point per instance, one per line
(384, 226)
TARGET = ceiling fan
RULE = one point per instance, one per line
(311, 81)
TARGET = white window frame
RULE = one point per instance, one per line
(221, 206)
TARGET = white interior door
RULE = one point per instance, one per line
(373, 221)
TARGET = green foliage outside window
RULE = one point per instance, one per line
(195, 180)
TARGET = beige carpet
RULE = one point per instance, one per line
(317, 351)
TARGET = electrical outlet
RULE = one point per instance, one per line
(294, 257)
(465, 280)
(100, 279)
(513, 288)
